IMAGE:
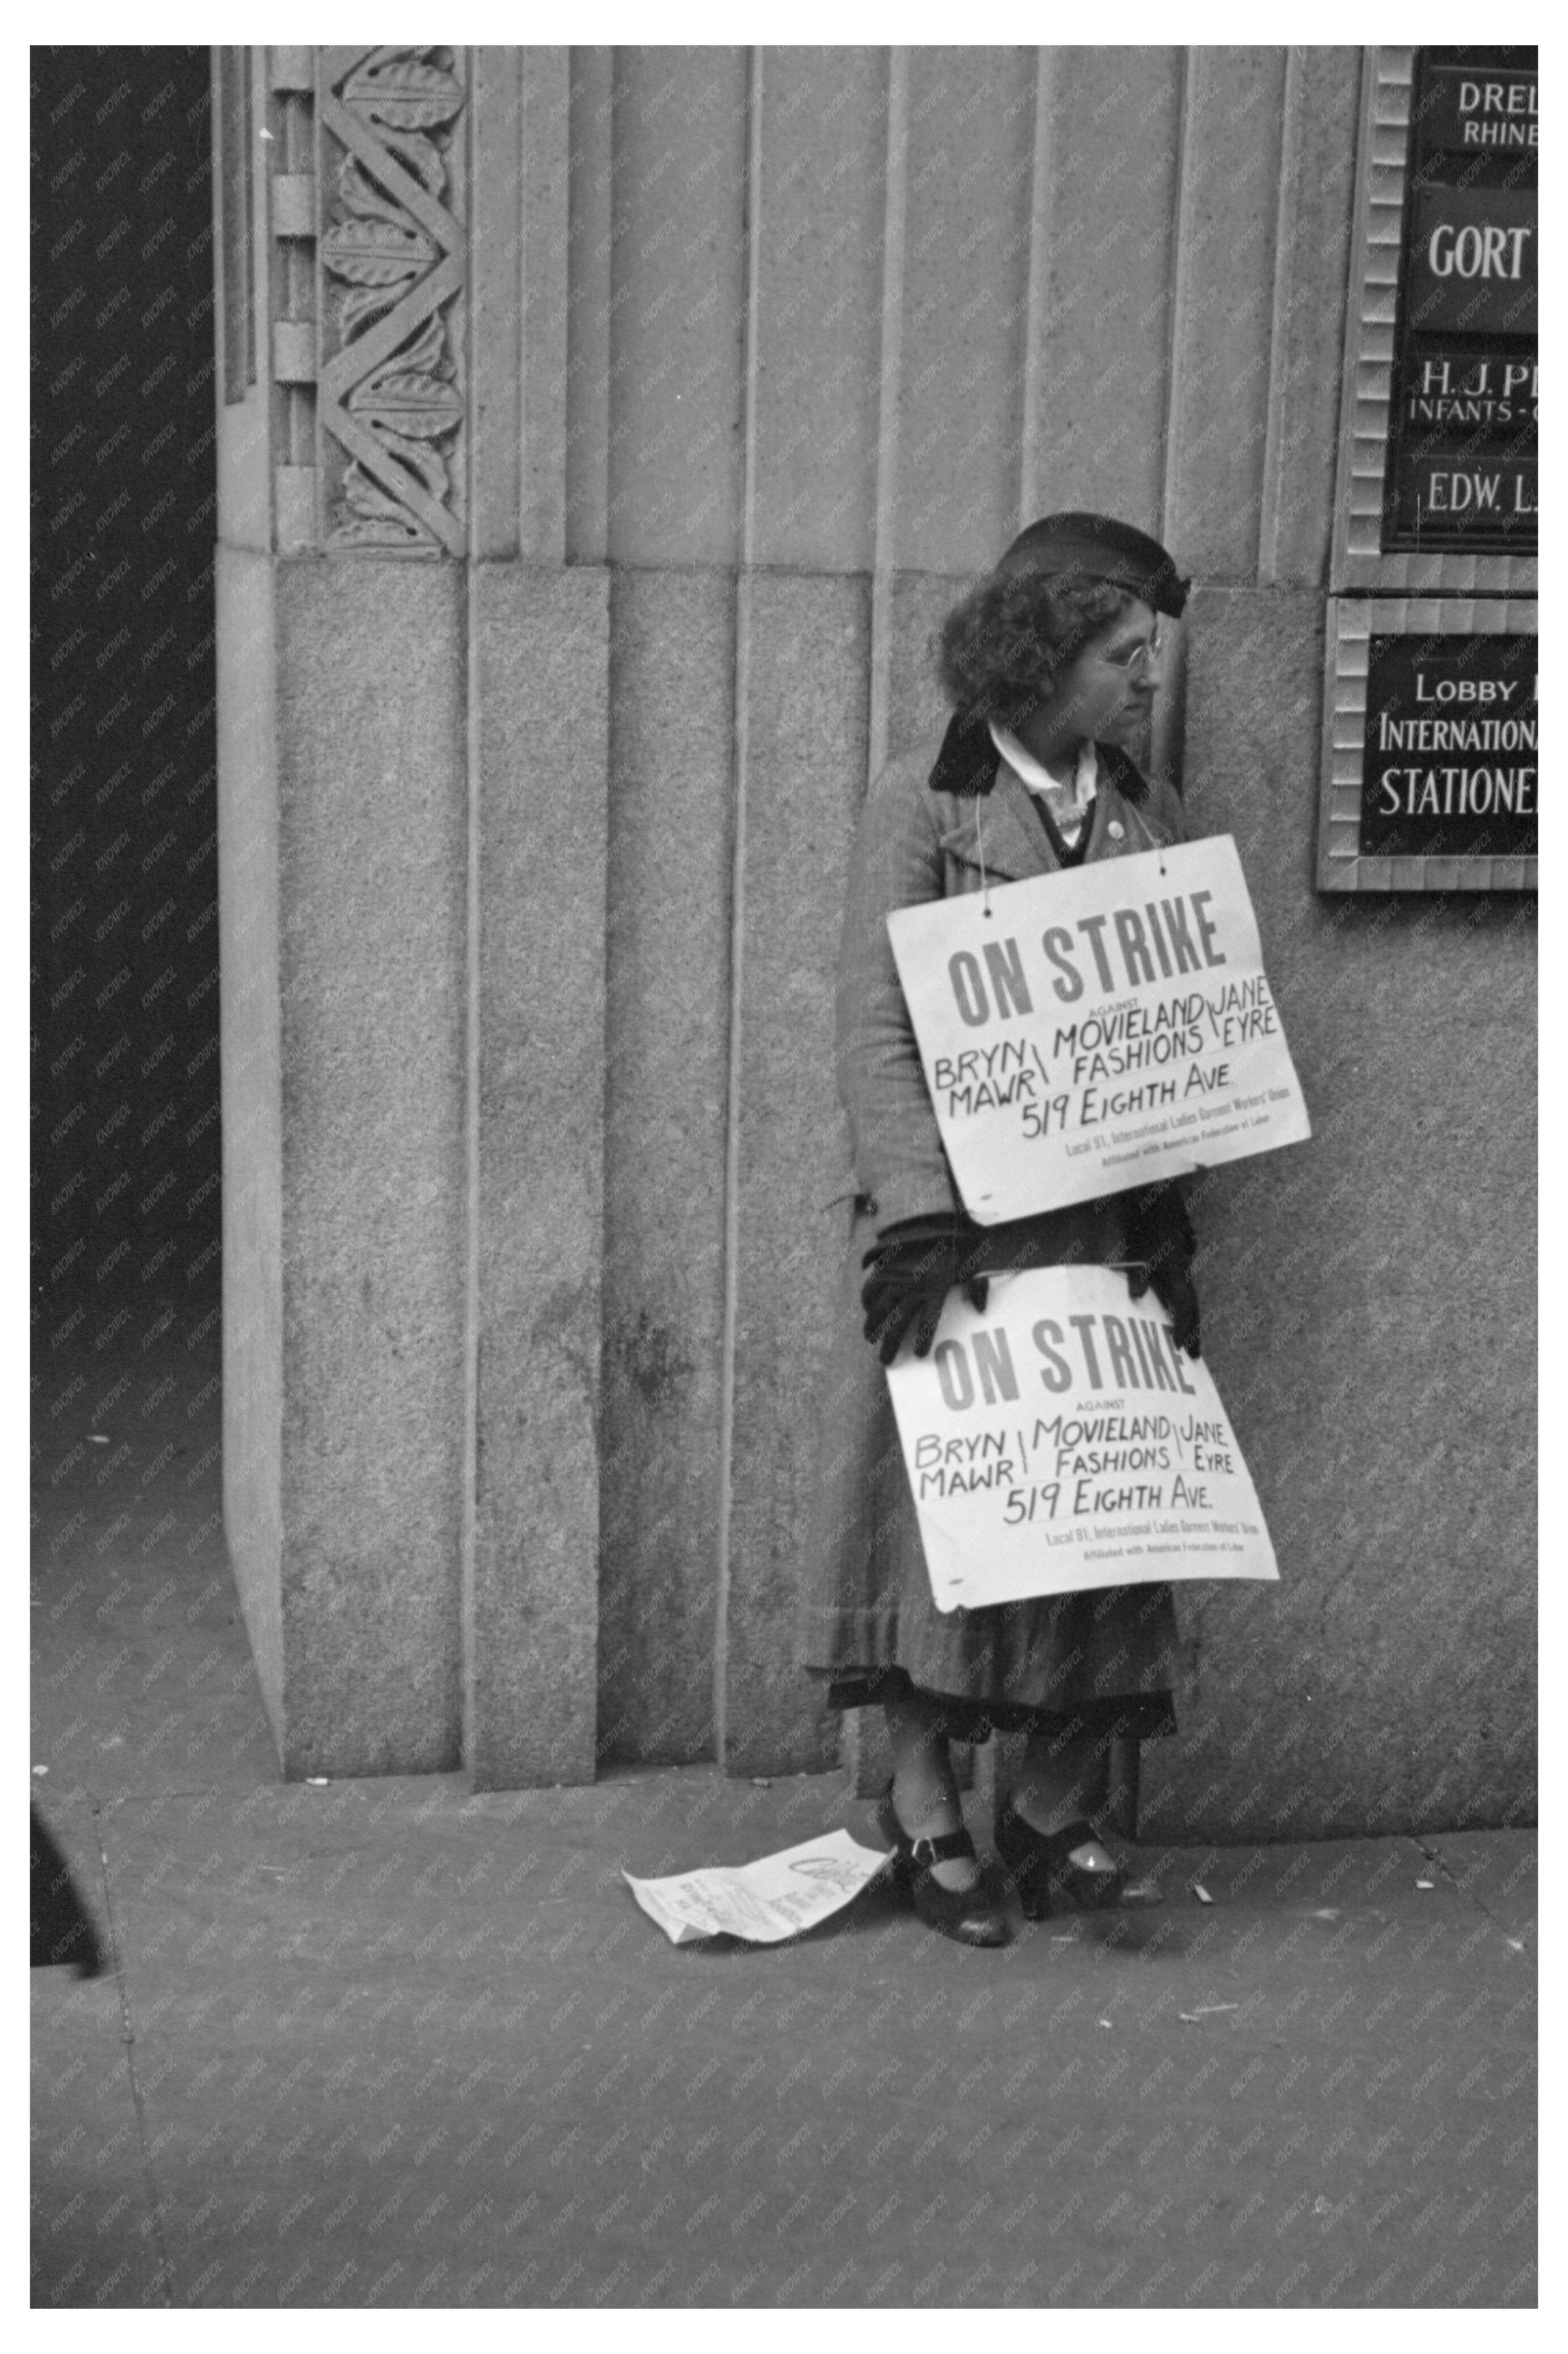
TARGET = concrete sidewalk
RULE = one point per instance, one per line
(383, 2042)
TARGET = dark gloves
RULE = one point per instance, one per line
(1161, 1244)
(914, 1265)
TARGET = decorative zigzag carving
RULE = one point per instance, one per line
(391, 391)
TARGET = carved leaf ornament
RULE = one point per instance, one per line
(410, 395)
(368, 252)
(402, 90)
(393, 398)
(420, 406)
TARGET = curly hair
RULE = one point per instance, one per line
(1002, 647)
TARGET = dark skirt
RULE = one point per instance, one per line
(1138, 1716)
(1104, 1657)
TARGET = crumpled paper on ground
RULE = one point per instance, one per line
(773, 1898)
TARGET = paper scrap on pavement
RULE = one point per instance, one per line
(774, 1898)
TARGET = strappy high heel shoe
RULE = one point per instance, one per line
(972, 1915)
(1041, 1870)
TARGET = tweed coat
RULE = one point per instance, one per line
(865, 1603)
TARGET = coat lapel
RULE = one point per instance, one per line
(1005, 826)
(1003, 832)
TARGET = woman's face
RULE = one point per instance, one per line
(1105, 692)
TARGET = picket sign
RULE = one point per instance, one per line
(1059, 1439)
(1096, 1029)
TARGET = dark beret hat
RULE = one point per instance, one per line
(1082, 546)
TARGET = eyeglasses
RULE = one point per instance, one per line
(1140, 660)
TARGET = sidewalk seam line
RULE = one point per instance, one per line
(128, 2039)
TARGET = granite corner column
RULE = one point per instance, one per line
(343, 859)
(412, 792)
(372, 867)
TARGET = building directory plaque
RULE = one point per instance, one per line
(1461, 461)
(1437, 439)
(1429, 779)
(1430, 776)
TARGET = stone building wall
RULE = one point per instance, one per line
(622, 423)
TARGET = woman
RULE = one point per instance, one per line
(1051, 664)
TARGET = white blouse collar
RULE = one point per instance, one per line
(1037, 776)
